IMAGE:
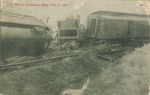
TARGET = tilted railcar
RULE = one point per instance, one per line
(117, 25)
(22, 34)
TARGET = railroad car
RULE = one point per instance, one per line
(22, 34)
(109, 25)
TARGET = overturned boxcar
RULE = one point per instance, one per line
(70, 31)
(23, 35)
(116, 25)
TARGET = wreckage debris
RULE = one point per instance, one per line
(35, 61)
(104, 57)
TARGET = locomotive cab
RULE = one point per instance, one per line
(70, 31)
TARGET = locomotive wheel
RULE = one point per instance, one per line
(67, 45)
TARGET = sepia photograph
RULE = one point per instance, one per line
(74, 47)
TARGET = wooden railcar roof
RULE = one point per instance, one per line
(119, 15)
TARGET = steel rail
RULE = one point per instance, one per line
(35, 61)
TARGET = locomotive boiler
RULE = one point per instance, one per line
(109, 25)
(23, 35)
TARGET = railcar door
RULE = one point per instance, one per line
(99, 28)
(92, 27)
(130, 29)
(2, 51)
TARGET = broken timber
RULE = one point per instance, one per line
(112, 51)
(104, 57)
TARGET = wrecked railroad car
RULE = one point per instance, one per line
(23, 35)
(70, 31)
(117, 25)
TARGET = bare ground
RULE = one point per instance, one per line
(124, 76)
(130, 77)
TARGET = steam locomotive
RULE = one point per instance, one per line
(23, 35)
(70, 31)
(109, 25)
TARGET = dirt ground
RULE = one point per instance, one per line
(126, 75)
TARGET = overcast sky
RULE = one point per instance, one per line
(81, 7)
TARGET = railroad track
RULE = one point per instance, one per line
(34, 62)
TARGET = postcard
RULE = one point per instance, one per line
(74, 47)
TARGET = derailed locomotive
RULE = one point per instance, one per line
(23, 35)
(109, 25)
(70, 31)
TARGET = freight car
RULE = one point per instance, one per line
(23, 35)
(109, 25)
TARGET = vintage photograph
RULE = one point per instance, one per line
(74, 47)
